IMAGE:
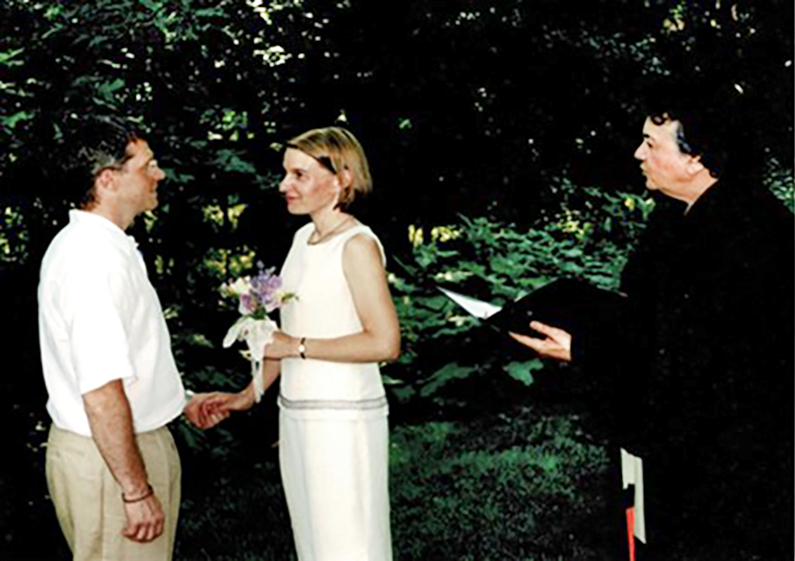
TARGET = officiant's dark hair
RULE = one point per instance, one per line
(97, 143)
(337, 150)
(712, 113)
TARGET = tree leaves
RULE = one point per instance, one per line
(10, 58)
(231, 161)
(523, 371)
(444, 375)
(107, 92)
(462, 135)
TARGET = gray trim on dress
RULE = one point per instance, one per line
(340, 404)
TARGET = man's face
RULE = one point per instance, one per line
(137, 180)
(666, 168)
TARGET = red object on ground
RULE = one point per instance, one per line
(631, 532)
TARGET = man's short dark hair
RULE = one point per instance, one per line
(711, 118)
(98, 143)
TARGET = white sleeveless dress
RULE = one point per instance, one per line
(333, 436)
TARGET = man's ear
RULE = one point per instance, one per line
(105, 182)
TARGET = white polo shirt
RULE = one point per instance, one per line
(100, 320)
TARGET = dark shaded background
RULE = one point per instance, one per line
(463, 107)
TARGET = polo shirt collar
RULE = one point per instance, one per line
(92, 220)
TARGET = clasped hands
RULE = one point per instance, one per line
(556, 344)
(205, 410)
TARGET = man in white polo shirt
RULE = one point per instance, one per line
(112, 467)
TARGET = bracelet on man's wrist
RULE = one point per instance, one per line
(149, 492)
(302, 348)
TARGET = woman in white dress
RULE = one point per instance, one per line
(333, 439)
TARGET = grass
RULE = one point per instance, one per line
(526, 485)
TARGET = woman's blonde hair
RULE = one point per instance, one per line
(337, 150)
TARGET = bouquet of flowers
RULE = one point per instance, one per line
(257, 297)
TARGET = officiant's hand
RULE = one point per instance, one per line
(557, 343)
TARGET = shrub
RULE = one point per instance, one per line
(588, 237)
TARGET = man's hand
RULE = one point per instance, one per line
(201, 417)
(224, 403)
(145, 520)
(557, 343)
(110, 419)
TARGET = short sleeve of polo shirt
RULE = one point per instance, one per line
(97, 300)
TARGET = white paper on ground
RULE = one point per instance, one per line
(632, 474)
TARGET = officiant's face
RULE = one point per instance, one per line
(308, 186)
(665, 166)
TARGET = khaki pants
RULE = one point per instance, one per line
(88, 499)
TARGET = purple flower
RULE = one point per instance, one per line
(247, 304)
(265, 288)
(260, 295)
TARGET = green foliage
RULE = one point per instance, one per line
(588, 236)
(11, 58)
(442, 376)
(781, 182)
(230, 161)
(13, 237)
(523, 371)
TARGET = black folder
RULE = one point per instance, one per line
(570, 304)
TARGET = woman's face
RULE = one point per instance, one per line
(308, 187)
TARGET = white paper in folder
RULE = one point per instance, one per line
(475, 307)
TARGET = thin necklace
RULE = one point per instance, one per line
(334, 230)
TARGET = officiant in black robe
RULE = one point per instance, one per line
(698, 371)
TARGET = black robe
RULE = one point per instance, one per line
(698, 376)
